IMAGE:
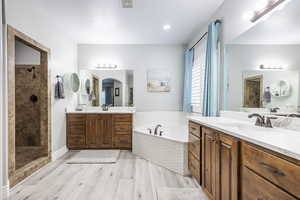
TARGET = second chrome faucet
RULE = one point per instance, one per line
(262, 120)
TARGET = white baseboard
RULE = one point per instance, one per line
(5, 191)
(59, 153)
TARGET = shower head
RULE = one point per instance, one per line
(32, 69)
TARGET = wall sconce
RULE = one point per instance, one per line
(107, 66)
(265, 8)
(263, 67)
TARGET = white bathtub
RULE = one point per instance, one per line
(169, 150)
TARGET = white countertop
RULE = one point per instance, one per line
(97, 110)
(280, 140)
(101, 112)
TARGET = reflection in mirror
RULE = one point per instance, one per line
(263, 65)
(109, 87)
(112, 92)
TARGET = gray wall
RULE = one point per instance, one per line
(140, 58)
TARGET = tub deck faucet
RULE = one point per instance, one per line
(156, 129)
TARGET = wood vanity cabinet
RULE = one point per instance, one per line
(194, 149)
(99, 131)
(268, 175)
(233, 169)
(219, 164)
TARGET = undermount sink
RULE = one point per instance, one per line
(242, 126)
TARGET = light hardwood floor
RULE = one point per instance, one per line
(131, 178)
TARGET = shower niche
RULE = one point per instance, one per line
(29, 113)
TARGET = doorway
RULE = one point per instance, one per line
(253, 92)
(96, 100)
(29, 105)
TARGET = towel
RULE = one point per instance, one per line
(59, 90)
(267, 95)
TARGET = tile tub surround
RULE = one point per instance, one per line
(169, 151)
(279, 140)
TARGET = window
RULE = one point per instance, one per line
(198, 76)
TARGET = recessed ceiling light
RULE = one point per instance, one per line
(167, 27)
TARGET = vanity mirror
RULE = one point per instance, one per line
(263, 65)
(110, 87)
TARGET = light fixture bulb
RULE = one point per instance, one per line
(248, 15)
(261, 4)
(167, 27)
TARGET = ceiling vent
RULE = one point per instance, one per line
(127, 3)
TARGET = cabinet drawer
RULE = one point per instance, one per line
(76, 117)
(194, 145)
(123, 141)
(123, 132)
(194, 129)
(279, 171)
(76, 141)
(256, 187)
(76, 130)
(122, 118)
(194, 167)
(122, 126)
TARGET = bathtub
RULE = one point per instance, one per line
(169, 150)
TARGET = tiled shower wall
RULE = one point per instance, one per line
(27, 113)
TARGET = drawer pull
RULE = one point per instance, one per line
(193, 128)
(271, 169)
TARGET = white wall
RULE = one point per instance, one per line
(231, 12)
(26, 55)
(140, 58)
(29, 19)
(2, 127)
(241, 58)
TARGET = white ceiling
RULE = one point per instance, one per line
(283, 27)
(105, 21)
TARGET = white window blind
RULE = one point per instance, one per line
(198, 75)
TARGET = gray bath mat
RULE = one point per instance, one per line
(95, 157)
(181, 194)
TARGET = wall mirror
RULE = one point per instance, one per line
(109, 87)
(263, 65)
(72, 81)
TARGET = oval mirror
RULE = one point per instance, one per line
(75, 82)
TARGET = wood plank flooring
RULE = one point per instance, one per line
(131, 178)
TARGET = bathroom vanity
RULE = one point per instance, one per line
(232, 160)
(102, 130)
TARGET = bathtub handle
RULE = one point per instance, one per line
(160, 133)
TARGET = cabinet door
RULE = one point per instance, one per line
(227, 168)
(99, 131)
(76, 126)
(209, 162)
(93, 127)
(104, 137)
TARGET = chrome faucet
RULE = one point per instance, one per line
(156, 129)
(262, 120)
